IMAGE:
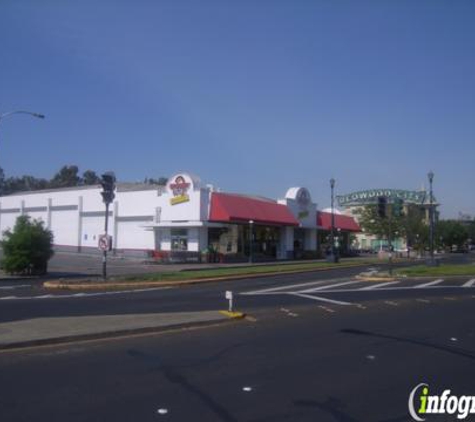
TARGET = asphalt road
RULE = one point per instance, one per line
(292, 363)
(316, 346)
(328, 289)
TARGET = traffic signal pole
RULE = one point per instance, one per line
(385, 211)
(390, 242)
(104, 257)
(108, 195)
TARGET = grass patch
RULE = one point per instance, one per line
(245, 270)
(442, 270)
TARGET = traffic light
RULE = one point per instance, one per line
(398, 207)
(108, 186)
(382, 201)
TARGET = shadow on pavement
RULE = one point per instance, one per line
(453, 350)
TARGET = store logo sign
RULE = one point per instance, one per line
(179, 188)
(303, 200)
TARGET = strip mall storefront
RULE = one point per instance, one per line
(200, 223)
(183, 221)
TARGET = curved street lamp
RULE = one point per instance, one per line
(9, 113)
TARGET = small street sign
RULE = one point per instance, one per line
(229, 296)
(104, 242)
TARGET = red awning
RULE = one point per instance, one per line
(230, 208)
(342, 222)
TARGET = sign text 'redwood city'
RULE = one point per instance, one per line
(371, 196)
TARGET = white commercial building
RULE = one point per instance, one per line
(183, 221)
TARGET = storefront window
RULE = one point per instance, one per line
(179, 239)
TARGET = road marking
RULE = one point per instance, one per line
(469, 283)
(449, 298)
(318, 289)
(388, 302)
(376, 286)
(327, 309)
(423, 300)
(162, 411)
(288, 287)
(18, 286)
(319, 298)
(77, 295)
(389, 289)
(432, 283)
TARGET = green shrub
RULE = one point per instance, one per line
(27, 248)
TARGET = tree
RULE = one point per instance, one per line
(89, 177)
(372, 223)
(450, 233)
(161, 181)
(28, 248)
(67, 176)
(410, 224)
(415, 230)
(2, 182)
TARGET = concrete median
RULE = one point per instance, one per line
(56, 330)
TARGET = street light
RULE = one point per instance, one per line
(333, 257)
(251, 222)
(9, 113)
(430, 175)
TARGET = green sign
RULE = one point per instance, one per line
(371, 197)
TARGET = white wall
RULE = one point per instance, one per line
(92, 227)
(76, 216)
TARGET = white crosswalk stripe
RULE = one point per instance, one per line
(432, 283)
(286, 287)
(318, 290)
(469, 283)
(320, 299)
(330, 286)
(379, 285)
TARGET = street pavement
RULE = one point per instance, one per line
(30, 300)
(292, 363)
(323, 346)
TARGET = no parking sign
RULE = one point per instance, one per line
(105, 242)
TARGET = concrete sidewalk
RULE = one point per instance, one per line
(45, 331)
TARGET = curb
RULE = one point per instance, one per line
(116, 334)
(233, 315)
(58, 284)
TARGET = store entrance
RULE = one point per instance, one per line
(265, 242)
(233, 242)
(299, 243)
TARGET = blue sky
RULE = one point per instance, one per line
(254, 96)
